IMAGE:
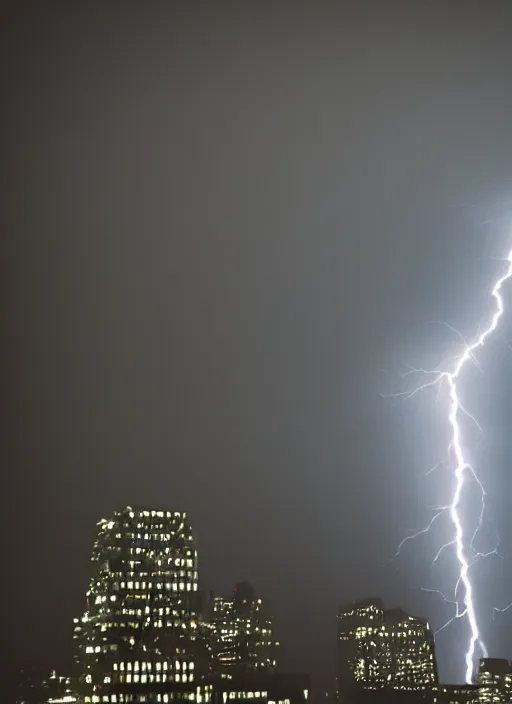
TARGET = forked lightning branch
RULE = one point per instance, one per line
(461, 543)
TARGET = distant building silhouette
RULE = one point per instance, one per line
(386, 650)
(137, 639)
(39, 687)
(30, 686)
(241, 634)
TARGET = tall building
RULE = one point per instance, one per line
(137, 639)
(381, 649)
(241, 634)
(494, 678)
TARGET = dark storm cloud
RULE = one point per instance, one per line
(228, 226)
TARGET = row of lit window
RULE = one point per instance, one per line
(149, 525)
(361, 632)
(171, 623)
(143, 666)
(486, 677)
(121, 698)
(412, 664)
(153, 513)
(158, 611)
(172, 526)
(159, 514)
(219, 603)
(369, 609)
(247, 695)
(102, 648)
(156, 576)
(149, 679)
(228, 626)
(160, 535)
(177, 561)
(158, 586)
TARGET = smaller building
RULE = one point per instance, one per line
(444, 694)
(261, 688)
(494, 678)
(385, 650)
(387, 695)
(458, 694)
(30, 686)
(39, 688)
(240, 633)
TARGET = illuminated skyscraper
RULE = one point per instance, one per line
(383, 649)
(241, 634)
(494, 678)
(136, 640)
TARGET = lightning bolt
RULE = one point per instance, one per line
(453, 602)
(501, 611)
(461, 471)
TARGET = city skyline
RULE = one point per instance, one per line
(136, 539)
(230, 230)
(149, 634)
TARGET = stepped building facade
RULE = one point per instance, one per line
(137, 640)
(241, 633)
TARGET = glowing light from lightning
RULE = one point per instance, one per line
(461, 469)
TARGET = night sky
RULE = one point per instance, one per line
(229, 228)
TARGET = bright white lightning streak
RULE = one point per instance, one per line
(461, 468)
